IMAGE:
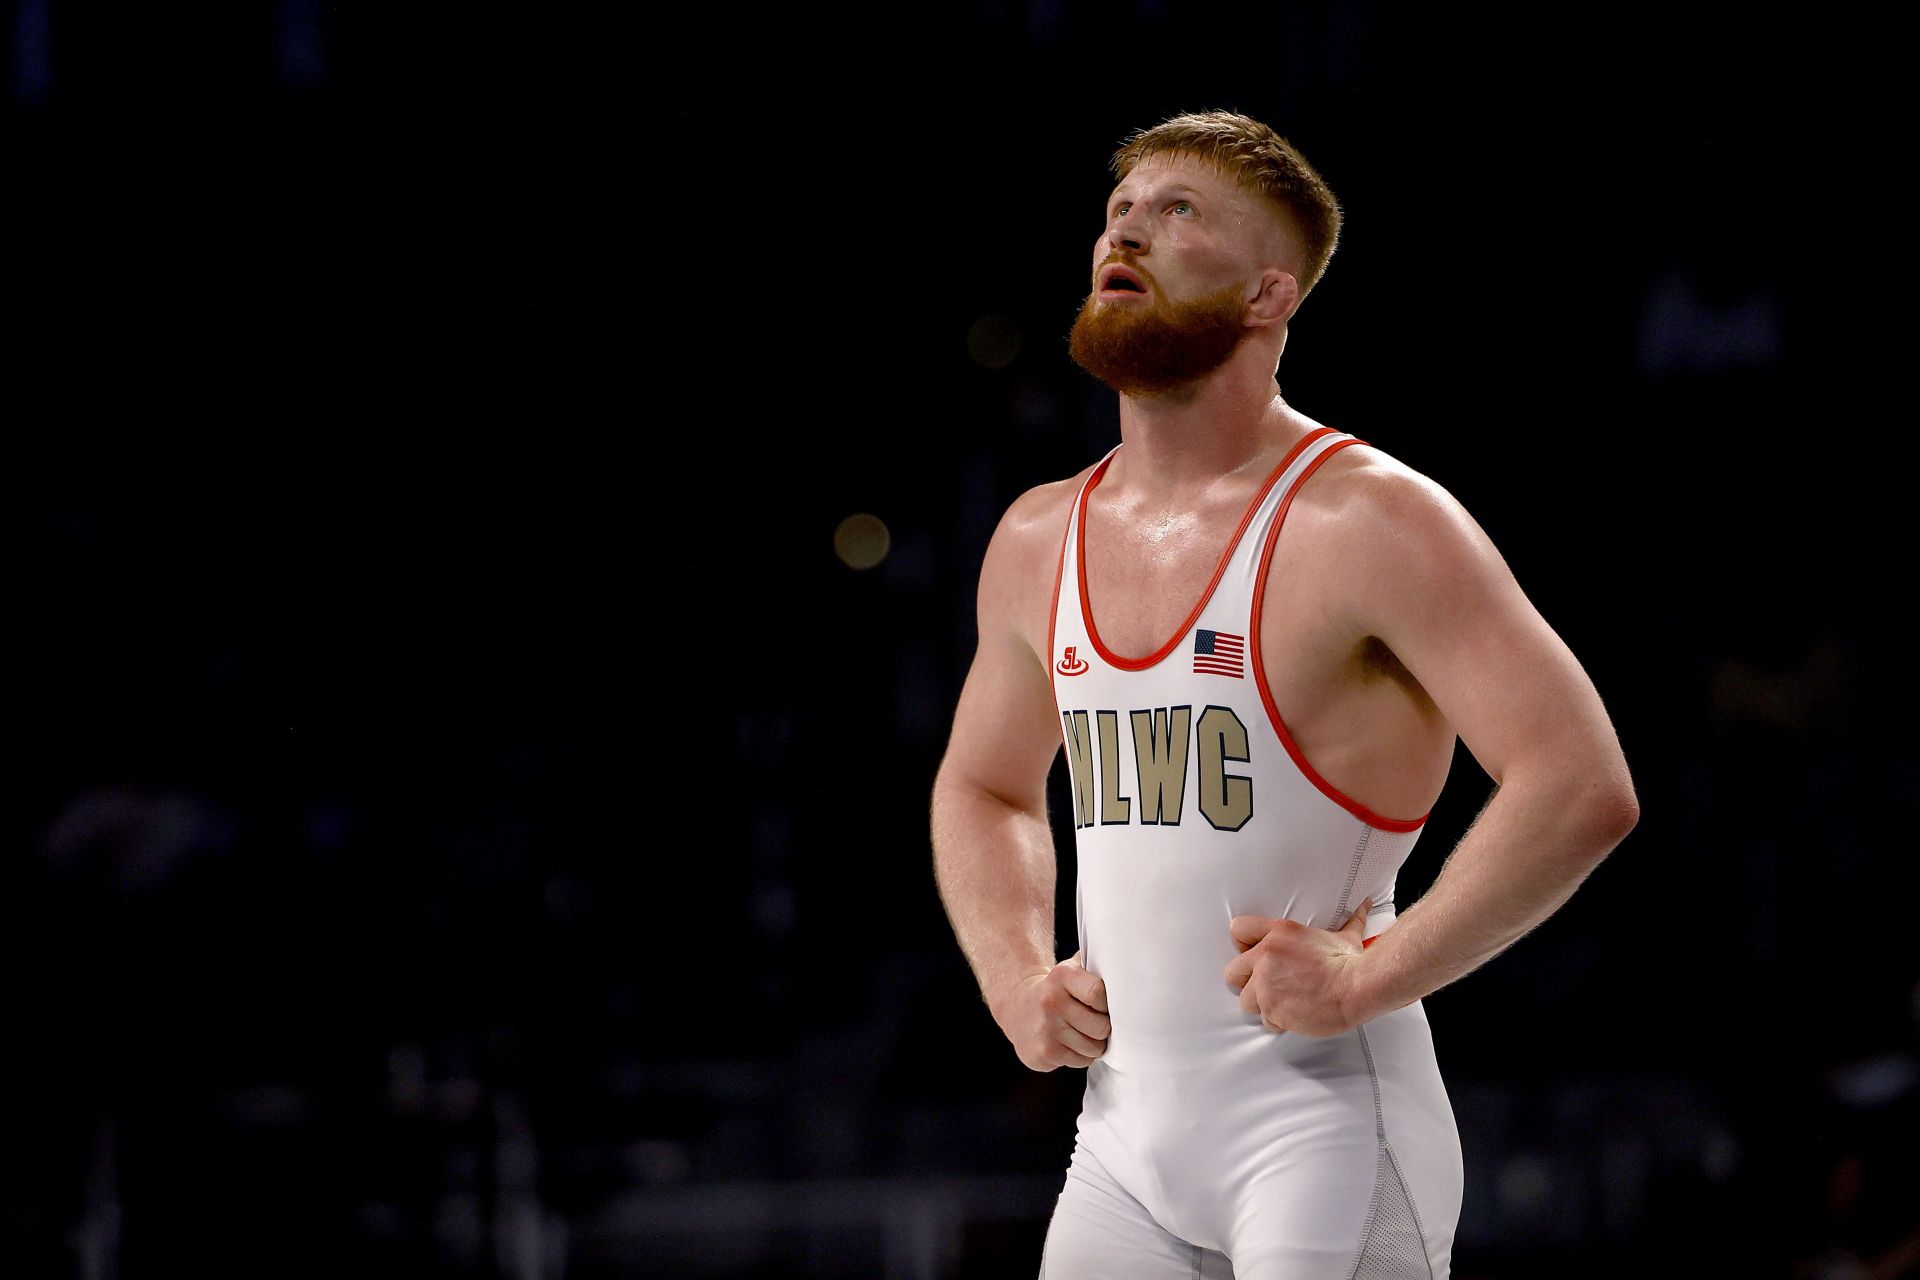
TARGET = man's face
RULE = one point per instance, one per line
(1173, 271)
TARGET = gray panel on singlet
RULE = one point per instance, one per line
(1393, 1249)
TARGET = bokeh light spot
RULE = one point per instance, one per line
(861, 541)
(993, 342)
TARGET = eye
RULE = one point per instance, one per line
(1182, 206)
(1121, 208)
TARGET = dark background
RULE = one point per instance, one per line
(466, 821)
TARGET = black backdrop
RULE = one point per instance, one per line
(466, 820)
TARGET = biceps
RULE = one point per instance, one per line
(1005, 730)
(1506, 682)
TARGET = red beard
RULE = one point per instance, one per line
(1146, 351)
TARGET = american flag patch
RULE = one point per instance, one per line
(1215, 653)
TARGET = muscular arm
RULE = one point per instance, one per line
(993, 856)
(992, 848)
(1411, 568)
(1442, 598)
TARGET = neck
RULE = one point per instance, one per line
(1192, 437)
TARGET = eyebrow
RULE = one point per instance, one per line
(1178, 191)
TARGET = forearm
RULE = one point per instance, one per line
(1521, 860)
(994, 864)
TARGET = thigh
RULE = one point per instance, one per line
(1371, 1193)
(1339, 1225)
(1100, 1232)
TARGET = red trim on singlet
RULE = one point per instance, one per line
(1327, 789)
(1367, 942)
(1053, 610)
(1220, 571)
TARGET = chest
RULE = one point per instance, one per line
(1147, 582)
(1148, 575)
(1144, 583)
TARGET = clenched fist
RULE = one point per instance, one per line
(1057, 1018)
(1296, 978)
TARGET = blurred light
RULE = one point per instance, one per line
(654, 1161)
(134, 838)
(1525, 1185)
(302, 53)
(32, 56)
(1875, 1081)
(406, 1076)
(774, 910)
(993, 342)
(1720, 1156)
(861, 541)
(459, 1227)
(1036, 408)
(1682, 330)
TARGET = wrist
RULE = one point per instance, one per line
(1359, 996)
(1002, 991)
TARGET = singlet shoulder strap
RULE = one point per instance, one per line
(1306, 457)
(1067, 570)
(1261, 550)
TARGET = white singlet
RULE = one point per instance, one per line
(1208, 1145)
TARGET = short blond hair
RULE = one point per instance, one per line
(1261, 161)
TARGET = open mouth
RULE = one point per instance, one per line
(1116, 279)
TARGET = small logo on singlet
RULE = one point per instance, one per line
(1070, 662)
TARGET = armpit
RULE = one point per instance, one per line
(1375, 661)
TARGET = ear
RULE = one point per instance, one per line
(1276, 298)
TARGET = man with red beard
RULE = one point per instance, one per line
(1256, 638)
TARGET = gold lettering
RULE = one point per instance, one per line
(1114, 807)
(1080, 759)
(1160, 763)
(1226, 799)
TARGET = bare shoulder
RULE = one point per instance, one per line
(1004, 729)
(1387, 553)
(1036, 522)
(1023, 561)
(1381, 514)
(1366, 484)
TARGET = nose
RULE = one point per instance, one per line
(1129, 232)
